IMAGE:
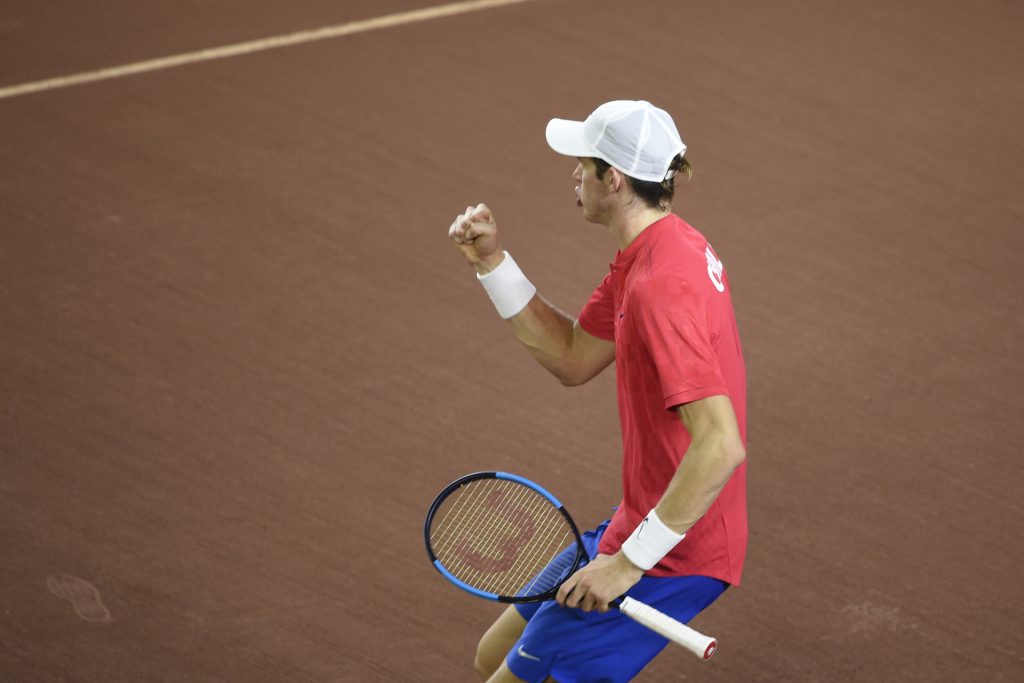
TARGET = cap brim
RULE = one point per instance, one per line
(566, 137)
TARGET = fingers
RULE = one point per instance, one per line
(458, 230)
(478, 221)
(566, 590)
(475, 221)
(575, 593)
(481, 212)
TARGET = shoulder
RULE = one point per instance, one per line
(675, 262)
(678, 241)
(683, 253)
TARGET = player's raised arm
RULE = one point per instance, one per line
(554, 338)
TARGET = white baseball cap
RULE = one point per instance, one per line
(634, 136)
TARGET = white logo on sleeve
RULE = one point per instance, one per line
(715, 269)
(523, 653)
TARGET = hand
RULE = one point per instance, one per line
(475, 234)
(604, 579)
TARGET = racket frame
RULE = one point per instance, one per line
(581, 553)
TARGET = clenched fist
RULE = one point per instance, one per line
(475, 234)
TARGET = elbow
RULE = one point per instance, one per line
(728, 451)
(735, 453)
(570, 380)
(571, 376)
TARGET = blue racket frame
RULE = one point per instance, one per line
(581, 553)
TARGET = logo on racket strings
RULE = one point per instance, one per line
(498, 554)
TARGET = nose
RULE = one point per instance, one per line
(577, 174)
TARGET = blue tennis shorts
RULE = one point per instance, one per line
(573, 646)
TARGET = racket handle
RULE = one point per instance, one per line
(699, 644)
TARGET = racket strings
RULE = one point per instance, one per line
(521, 545)
(508, 539)
(538, 549)
(474, 538)
(452, 523)
(498, 535)
(471, 520)
(483, 537)
(549, 546)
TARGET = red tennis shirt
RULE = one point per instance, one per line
(667, 307)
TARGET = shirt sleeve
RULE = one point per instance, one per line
(673, 322)
(598, 315)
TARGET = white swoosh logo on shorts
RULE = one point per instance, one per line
(523, 653)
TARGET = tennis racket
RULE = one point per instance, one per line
(502, 537)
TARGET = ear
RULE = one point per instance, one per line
(616, 179)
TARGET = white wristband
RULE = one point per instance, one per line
(508, 288)
(650, 541)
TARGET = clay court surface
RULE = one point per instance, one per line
(238, 356)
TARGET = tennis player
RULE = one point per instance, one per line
(664, 315)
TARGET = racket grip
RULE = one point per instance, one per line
(699, 644)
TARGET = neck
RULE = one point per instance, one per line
(627, 227)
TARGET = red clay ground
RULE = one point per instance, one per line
(238, 357)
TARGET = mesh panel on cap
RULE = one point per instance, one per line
(634, 137)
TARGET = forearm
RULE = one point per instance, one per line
(547, 333)
(703, 473)
(553, 338)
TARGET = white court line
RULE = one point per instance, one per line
(256, 46)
